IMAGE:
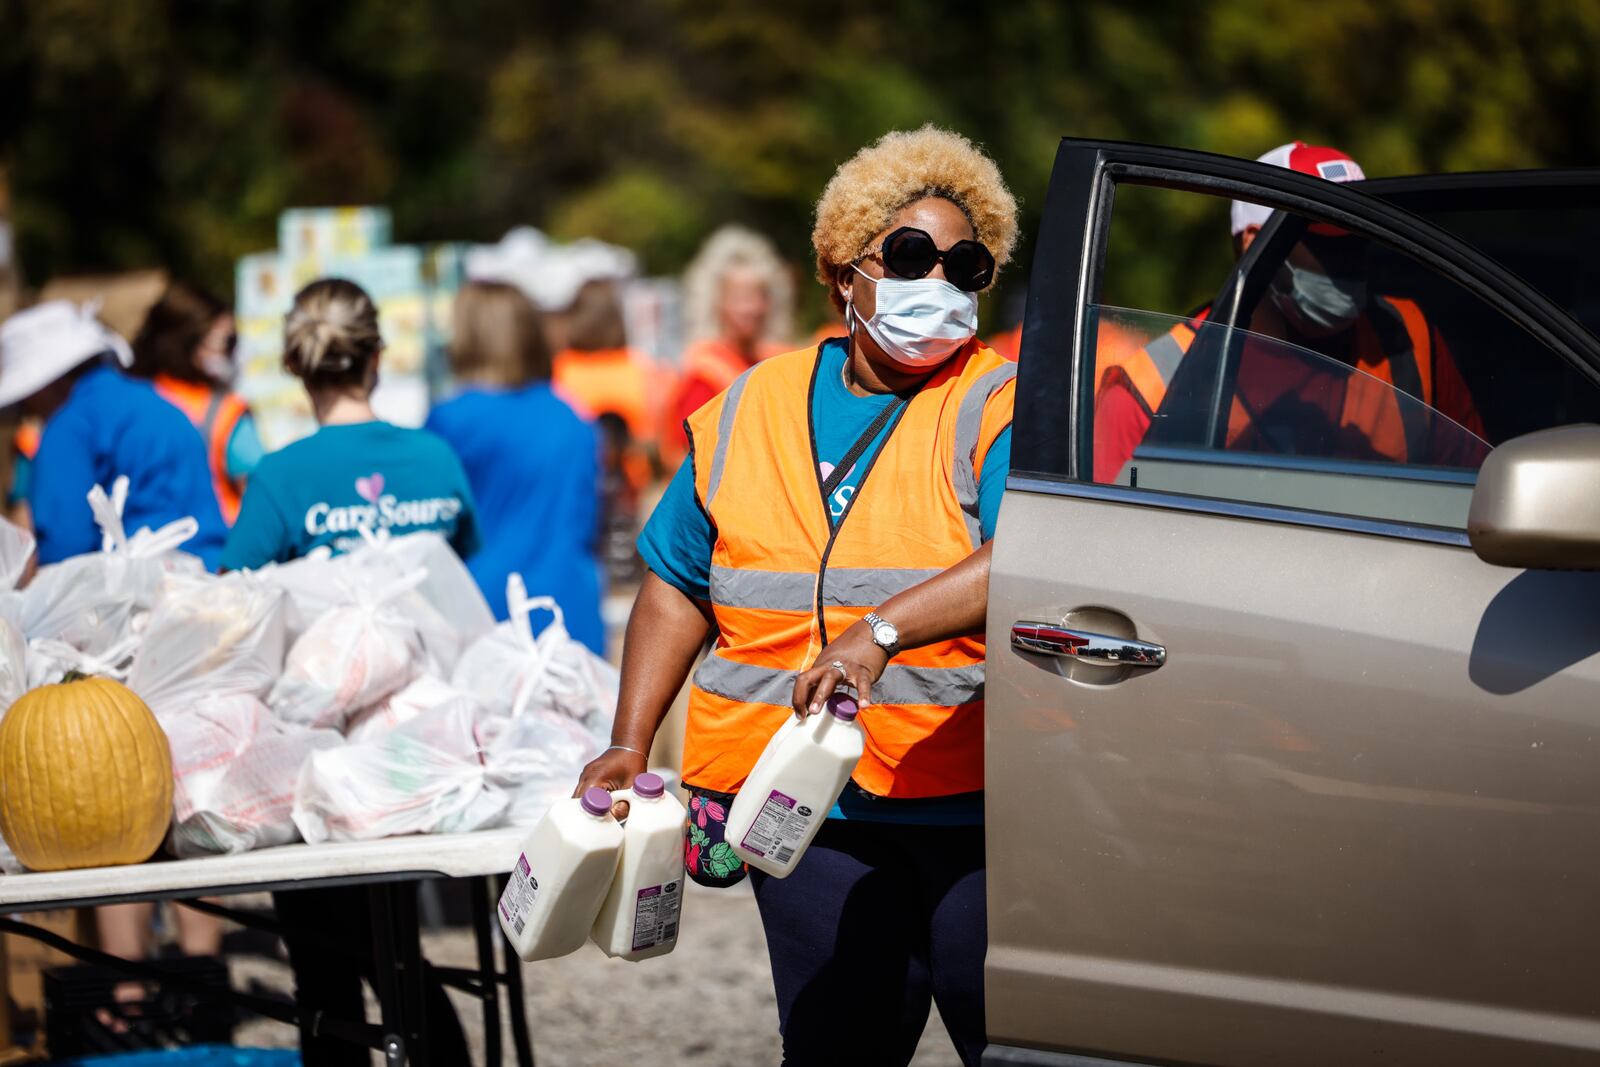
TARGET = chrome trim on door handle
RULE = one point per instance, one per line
(1105, 650)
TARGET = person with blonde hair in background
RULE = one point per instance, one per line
(185, 347)
(737, 302)
(355, 471)
(532, 461)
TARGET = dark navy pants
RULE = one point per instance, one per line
(877, 921)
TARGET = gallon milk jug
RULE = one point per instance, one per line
(640, 916)
(561, 877)
(798, 778)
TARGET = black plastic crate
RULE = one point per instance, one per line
(83, 1016)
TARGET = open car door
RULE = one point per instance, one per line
(1278, 769)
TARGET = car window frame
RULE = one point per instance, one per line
(1069, 264)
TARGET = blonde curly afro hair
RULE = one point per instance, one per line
(901, 168)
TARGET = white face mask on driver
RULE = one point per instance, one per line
(919, 322)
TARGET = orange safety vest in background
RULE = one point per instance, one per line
(784, 581)
(216, 414)
(608, 381)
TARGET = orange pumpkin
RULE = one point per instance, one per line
(85, 777)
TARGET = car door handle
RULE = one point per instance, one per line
(1106, 650)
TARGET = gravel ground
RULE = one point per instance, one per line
(589, 1011)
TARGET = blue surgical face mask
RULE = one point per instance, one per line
(1314, 300)
(919, 322)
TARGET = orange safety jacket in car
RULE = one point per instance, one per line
(785, 581)
(216, 414)
(1393, 345)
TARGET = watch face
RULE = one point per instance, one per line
(885, 633)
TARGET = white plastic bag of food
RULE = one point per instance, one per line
(350, 658)
(423, 694)
(208, 637)
(235, 769)
(536, 757)
(49, 661)
(96, 600)
(16, 554)
(511, 670)
(424, 776)
(448, 606)
(13, 660)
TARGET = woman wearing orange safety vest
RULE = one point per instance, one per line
(737, 294)
(832, 528)
(185, 347)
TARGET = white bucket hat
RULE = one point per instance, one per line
(42, 344)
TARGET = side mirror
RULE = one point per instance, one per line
(1537, 502)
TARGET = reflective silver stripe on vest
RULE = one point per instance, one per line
(1165, 353)
(844, 587)
(766, 590)
(969, 423)
(853, 587)
(938, 686)
(719, 457)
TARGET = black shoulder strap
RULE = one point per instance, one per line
(861, 445)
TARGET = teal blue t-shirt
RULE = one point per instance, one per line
(322, 490)
(677, 543)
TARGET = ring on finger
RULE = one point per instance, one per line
(838, 665)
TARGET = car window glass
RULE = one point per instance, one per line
(1336, 375)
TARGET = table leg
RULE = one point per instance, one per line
(518, 1006)
(483, 934)
(390, 980)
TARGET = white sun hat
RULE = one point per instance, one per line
(43, 343)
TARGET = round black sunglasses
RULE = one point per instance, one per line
(910, 253)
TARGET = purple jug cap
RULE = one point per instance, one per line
(596, 801)
(649, 785)
(843, 707)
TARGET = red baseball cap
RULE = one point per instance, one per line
(1319, 161)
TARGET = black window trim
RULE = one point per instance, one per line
(1070, 255)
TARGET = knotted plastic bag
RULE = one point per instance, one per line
(421, 695)
(350, 657)
(235, 768)
(424, 776)
(95, 601)
(511, 670)
(210, 637)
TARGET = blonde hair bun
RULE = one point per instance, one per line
(331, 332)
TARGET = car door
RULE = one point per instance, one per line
(1279, 770)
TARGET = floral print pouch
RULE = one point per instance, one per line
(707, 857)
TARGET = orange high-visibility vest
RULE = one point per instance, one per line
(1394, 352)
(1393, 344)
(1148, 369)
(785, 581)
(216, 414)
(610, 381)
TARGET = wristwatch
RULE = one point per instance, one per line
(884, 633)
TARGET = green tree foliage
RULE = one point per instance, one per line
(173, 131)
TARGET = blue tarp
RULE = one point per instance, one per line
(199, 1056)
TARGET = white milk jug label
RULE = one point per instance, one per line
(777, 828)
(517, 900)
(655, 917)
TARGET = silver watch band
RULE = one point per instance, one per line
(873, 621)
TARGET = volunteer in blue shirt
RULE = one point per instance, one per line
(864, 475)
(59, 363)
(354, 472)
(532, 461)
